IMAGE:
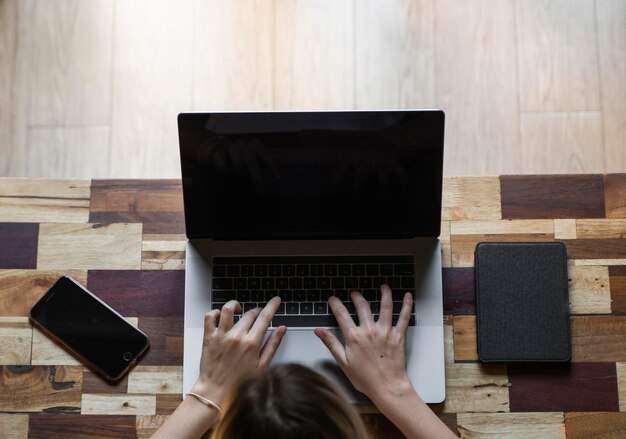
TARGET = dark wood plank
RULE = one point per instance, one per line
(81, 426)
(552, 196)
(166, 335)
(595, 248)
(19, 245)
(459, 291)
(615, 195)
(379, 427)
(575, 387)
(93, 383)
(166, 403)
(40, 388)
(598, 338)
(135, 293)
(617, 279)
(158, 204)
(595, 425)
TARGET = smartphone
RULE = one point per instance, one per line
(89, 328)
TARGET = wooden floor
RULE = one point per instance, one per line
(92, 89)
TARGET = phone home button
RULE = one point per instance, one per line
(127, 356)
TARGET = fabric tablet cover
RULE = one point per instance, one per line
(522, 302)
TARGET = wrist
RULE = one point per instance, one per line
(393, 393)
(209, 391)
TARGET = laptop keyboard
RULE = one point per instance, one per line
(304, 284)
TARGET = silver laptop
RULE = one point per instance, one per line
(305, 205)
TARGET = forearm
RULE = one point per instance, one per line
(191, 419)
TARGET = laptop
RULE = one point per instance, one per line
(305, 205)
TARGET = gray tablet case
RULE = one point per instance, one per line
(522, 302)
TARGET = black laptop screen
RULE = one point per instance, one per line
(312, 175)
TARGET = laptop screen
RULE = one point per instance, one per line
(312, 175)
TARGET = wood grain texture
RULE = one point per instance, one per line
(597, 262)
(163, 252)
(476, 388)
(15, 340)
(147, 425)
(166, 403)
(621, 384)
(573, 134)
(511, 425)
(473, 198)
(327, 66)
(609, 248)
(615, 195)
(111, 404)
(596, 338)
(557, 55)
(463, 246)
(611, 29)
(595, 425)
(14, 426)
(459, 291)
(552, 196)
(574, 387)
(501, 227)
(93, 383)
(601, 229)
(81, 426)
(158, 204)
(395, 54)
(465, 344)
(444, 239)
(166, 340)
(71, 63)
(21, 289)
(564, 229)
(156, 379)
(40, 388)
(617, 276)
(589, 290)
(94, 246)
(19, 245)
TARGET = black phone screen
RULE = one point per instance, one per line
(89, 327)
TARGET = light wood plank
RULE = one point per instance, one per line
(166, 254)
(75, 152)
(71, 70)
(471, 198)
(111, 404)
(148, 425)
(511, 425)
(601, 228)
(501, 227)
(44, 200)
(465, 341)
(314, 55)
(589, 290)
(564, 229)
(598, 339)
(621, 385)
(151, 85)
(611, 28)
(463, 246)
(477, 85)
(395, 54)
(94, 246)
(14, 426)
(233, 55)
(476, 387)
(575, 140)
(446, 250)
(15, 340)
(557, 55)
(156, 379)
(600, 262)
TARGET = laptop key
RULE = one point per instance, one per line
(254, 283)
(267, 283)
(269, 294)
(350, 307)
(352, 282)
(310, 283)
(365, 282)
(260, 270)
(289, 270)
(240, 283)
(274, 270)
(304, 321)
(257, 296)
(292, 308)
(299, 295)
(320, 308)
(217, 305)
(232, 271)
(302, 270)
(317, 270)
(398, 295)
(224, 296)
(393, 282)
(281, 309)
(285, 295)
(282, 283)
(369, 294)
(337, 282)
(403, 270)
(330, 270)
(247, 270)
(306, 308)
(248, 306)
(325, 294)
(372, 269)
(377, 281)
(222, 283)
(243, 296)
(295, 283)
(344, 270)
(219, 270)
(386, 270)
(407, 282)
(342, 295)
(313, 295)
(323, 282)
(358, 270)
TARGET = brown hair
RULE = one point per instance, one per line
(288, 401)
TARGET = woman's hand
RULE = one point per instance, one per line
(374, 357)
(231, 350)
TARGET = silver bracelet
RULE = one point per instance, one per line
(206, 401)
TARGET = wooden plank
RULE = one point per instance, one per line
(475, 198)
(111, 404)
(448, 339)
(601, 228)
(621, 384)
(570, 387)
(322, 76)
(611, 29)
(15, 340)
(609, 248)
(575, 133)
(459, 291)
(465, 344)
(395, 54)
(476, 388)
(463, 246)
(564, 229)
(78, 152)
(589, 290)
(156, 379)
(93, 383)
(147, 425)
(167, 403)
(615, 195)
(476, 81)
(233, 55)
(596, 338)
(617, 276)
(501, 227)
(161, 252)
(19, 245)
(552, 196)
(94, 246)
(557, 56)
(71, 70)
(600, 262)
(133, 292)
(595, 425)
(21, 289)
(14, 426)
(511, 425)
(44, 200)
(446, 251)
(40, 388)
(74, 426)
(166, 336)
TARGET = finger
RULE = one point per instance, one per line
(333, 344)
(210, 321)
(386, 306)
(246, 321)
(405, 313)
(341, 314)
(264, 319)
(226, 316)
(363, 309)
(271, 346)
